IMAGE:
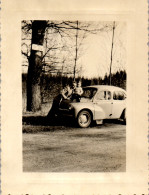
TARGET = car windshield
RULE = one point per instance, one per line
(89, 92)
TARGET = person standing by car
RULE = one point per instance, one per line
(65, 93)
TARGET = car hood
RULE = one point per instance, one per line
(66, 103)
(83, 100)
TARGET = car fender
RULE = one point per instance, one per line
(97, 111)
(82, 106)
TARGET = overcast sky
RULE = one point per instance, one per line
(96, 59)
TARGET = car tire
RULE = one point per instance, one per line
(84, 119)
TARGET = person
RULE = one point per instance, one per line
(65, 94)
(74, 86)
(77, 91)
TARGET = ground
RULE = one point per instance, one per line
(62, 147)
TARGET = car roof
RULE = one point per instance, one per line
(107, 87)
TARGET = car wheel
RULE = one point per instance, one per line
(84, 119)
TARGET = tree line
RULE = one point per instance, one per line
(52, 84)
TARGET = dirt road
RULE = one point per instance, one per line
(101, 148)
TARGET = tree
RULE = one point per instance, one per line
(65, 29)
(35, 66)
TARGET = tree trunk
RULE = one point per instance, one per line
(35, 67)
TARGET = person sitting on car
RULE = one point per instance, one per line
(77, 91)
(74, 86)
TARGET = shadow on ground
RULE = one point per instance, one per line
(44, 121)
(114, 121)
(60, 121)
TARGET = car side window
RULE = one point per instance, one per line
(103, 95)
(118, 95)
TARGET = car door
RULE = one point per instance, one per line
(103, 99)
(119, 104)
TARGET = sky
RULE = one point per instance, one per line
(94, 52)
(96, 60)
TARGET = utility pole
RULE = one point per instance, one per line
(112, 50)
(76, 52)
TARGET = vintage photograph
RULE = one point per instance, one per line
(74, 94)
(74, 97)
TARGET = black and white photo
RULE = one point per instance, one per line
(74, 96)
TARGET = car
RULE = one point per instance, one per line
(98, 102)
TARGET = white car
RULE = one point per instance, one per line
(97, 102)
